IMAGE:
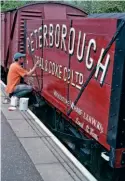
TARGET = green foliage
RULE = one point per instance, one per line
(108, 6)
(99, 6)
(6, 5)
(89, 6)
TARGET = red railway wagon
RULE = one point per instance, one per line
(12, 24)
(81, 74)
(80, 77)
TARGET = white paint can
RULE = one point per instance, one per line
(23, 104)
(14, 101)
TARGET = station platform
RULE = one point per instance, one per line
(30, 152)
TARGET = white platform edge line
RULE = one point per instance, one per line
(81, 168)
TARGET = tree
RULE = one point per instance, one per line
(108, 6)
(99, 6)
(89, 6)
(6, 5)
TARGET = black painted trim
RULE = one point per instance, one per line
(116, 124)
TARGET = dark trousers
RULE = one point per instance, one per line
(24, 90)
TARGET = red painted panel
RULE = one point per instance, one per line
(15, 40)
(60, 10)
(33, 11)
(7, 33)
(3, 40)
(95, 101)
(92, 110)
(52, 79)
(32, 57)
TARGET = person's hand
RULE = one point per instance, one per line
(33, 75)
(37, 63)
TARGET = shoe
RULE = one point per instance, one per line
(6, 100)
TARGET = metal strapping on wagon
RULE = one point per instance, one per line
(69, 62)
(11, 37)
(42, 57)
(33, 64)
(95, 67)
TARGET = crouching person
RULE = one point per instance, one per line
(14, 88)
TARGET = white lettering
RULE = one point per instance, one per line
(50, 67)
(88, 58)
(60, 71)
(28, 43)
(71, 41)
(45, 34)
(65, 71)
(80, 57)
(40, 38)
(80, 78)
(102, 67)
(51, 35)
(36, 35)
(64, 33)
(32, 42)
(57, 35)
